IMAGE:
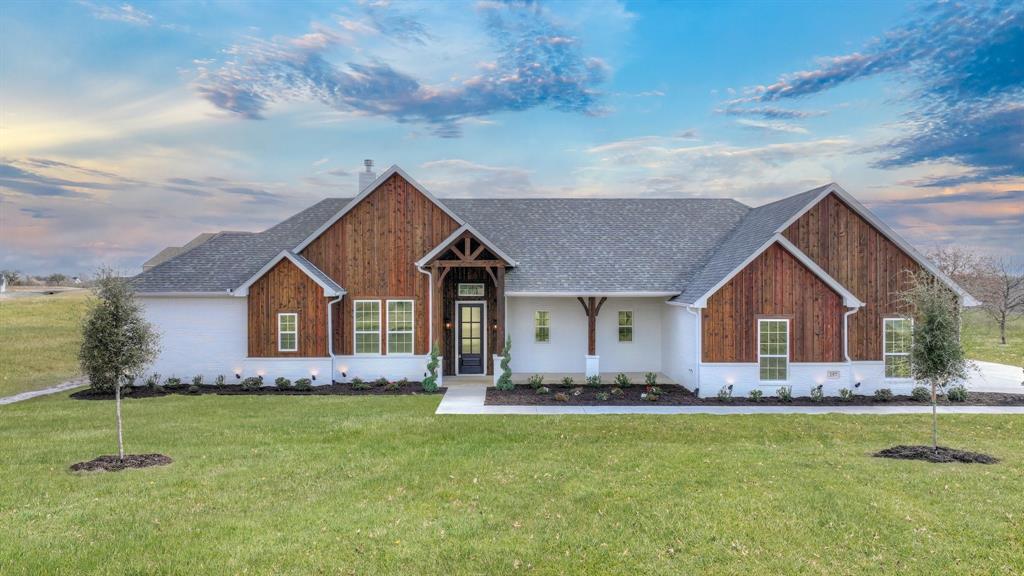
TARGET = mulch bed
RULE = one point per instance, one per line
(335, 389)
(942, 455)
(113, 463)
(672, 395)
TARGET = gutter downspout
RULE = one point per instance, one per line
(330, 332)
(846, 343)
(694, 310)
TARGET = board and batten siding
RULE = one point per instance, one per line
(286, 288)
(860, 258)
(372, 250)
(773, 285)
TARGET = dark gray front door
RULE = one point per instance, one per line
(471, 338)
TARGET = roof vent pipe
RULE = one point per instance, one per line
(368, 176)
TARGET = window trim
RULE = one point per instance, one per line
(619, 326)
(885, 375)
(411, 331)
(355, 330)
(280, 332)
(483, 290)
(786, 355)
(535, 341)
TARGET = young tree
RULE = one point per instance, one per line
(1001, 291)
(118, 343)
(936, 354)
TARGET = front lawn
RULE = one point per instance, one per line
(39, 340)
(381, 485)
(981, 339)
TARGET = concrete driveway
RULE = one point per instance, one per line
(992, 377)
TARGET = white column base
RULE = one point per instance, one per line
(593, 366)
(496, 362)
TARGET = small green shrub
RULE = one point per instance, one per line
(594, 380)
(303, 384)
(250, 383)
(381, 382)
(172, 382)
(360, 384)
(623, 381)
(725, 394)
(219, 380)
(650, 379)
(755, 395)
(957, 393)
(543, 390)
(818, 393)
(568, 381)
(651, 394)
(603, 396)
(845, 395)
(153, 382)
(403, 383)
(561, 397)
(282, 383)
(197, 380)
(616, 392)
(883, 395)
(393, 386)
(430, 379)
(535, 381)
(921, 394)
(785, 394)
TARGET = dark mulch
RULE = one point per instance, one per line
(941, 455)
(672, 395)
(335, 389)
(113, 463)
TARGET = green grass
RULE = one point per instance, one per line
(39, 340)
(981, 339)
(329, 485)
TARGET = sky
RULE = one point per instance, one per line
(128, 127)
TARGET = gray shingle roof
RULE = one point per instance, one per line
(683, 245)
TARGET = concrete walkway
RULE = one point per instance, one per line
(467, 397)
(70, 384)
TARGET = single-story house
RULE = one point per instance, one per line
(706, 292)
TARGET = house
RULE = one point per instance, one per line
(707, 292)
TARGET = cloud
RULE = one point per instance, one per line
(537, 65)
(39, 213)
(253, 194)
(119, 13)
(456, 177)
(774, 126)
(964, 64)
(22, 181)
(769, 112)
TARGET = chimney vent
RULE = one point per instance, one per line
(368, 176)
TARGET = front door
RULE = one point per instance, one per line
(471, 338)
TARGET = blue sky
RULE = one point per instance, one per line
(126, 127)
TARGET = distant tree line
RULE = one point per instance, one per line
(998, 283)
(16, 278)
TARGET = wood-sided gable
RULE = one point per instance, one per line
(776, 284)
(372, 249)
(287, 288)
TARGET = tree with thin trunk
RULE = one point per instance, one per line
(1001, 291)
(936, 353)
(117, 341)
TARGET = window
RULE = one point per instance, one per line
(898, 333)
(625, 325)
(541, 326)
(773, 349)
(400, 326)
(471, 290)
(287, 332)
(367, 325)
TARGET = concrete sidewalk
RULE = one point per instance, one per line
(70, 384)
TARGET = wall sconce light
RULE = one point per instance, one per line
(857, 385)
(447, 324)
(344, 375)
(313, 376)
(313, 372)
(238, 374)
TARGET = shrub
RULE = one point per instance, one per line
(652, 394)
(197, 380)
(543, 390)
(568, 381)
(957, 393)
(505, 380)
(282, 383)
(173, 382)
(725, 394)
(381, 382)
(219, 380)
(393, 386)
(153, 382)
(430, 381)
(845, 395)
(594, 380)
(785, 393)
(360, 384)
(883, 395)
(403, 383)
(921, 394)
(650, 379)
(251, 383)
(603, 396)
(535, 381)
(622, 381)
(303, 384)
(755, 395)
(617, 392)
(193, 389)
(817, 393)
(561, 397)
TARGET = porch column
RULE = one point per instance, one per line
(592, 307)
(499, 312)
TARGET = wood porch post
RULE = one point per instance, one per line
(592, 308)
(499, 311)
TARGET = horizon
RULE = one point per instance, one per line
(130, 127)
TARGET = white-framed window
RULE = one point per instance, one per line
(773, 349)
(471, 289)
(541, 326)
(287, 332)
(625, 325)
(897, 336)
(366, 322)
(400, 326)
